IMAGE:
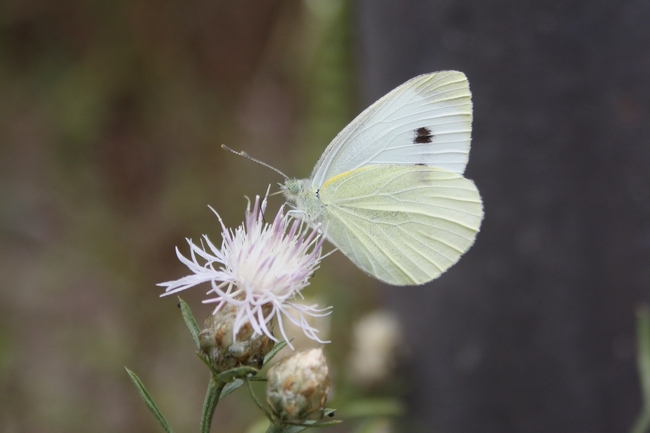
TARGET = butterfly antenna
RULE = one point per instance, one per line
(247, 156)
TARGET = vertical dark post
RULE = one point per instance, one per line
(533, 330)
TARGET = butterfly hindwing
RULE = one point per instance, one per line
(404, 225)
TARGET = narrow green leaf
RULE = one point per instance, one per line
(237, 372)
(237, 383)
(190, 321)
(204, 359)
(278, 347)
(258, 378)
(210, 404)
(231, 377)
(148, 400)
(231, 387)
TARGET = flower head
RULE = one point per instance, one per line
(260, 269)
(297, 386)
(223, 350)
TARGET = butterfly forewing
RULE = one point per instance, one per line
(426, 120)
(404, 225)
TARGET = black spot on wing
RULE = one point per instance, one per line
(422, 136)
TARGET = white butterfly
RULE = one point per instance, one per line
(389, 190)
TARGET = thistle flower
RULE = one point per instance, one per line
(260, 269)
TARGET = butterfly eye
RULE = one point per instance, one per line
(292, 187)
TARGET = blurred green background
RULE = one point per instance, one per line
(111, 119)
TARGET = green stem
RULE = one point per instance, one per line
(210, 404)
(254, 397)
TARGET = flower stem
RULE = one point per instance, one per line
(210, 404)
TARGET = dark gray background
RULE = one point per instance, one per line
(533, 331)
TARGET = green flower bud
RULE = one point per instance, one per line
(298, 387)
(225, 350)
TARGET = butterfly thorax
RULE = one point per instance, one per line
(304, 196)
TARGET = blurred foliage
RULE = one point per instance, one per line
(111, 118)
(642, 425)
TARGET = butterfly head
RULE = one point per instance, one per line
(294, 189)
(303, 196)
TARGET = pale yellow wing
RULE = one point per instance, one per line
(402, 224)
